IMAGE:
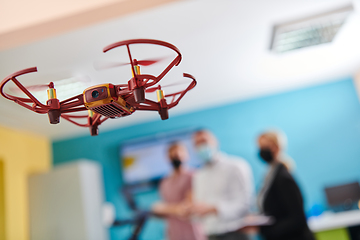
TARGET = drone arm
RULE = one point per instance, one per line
(146, 78)
(74, 110)
(150, 106)
(96, 119)
(68, 118)
(75, 116)
(122, 91)
(103, 120)
(72, 102)
(32, 108)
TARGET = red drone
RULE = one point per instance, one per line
(106, 100)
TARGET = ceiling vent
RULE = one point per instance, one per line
(309, 31)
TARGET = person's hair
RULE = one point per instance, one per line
(174, 145)
(277, 137)
(280, 140)
(208, 133)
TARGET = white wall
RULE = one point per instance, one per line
(66, 203)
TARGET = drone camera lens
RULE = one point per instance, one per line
(95, 94)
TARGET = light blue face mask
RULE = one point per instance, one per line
(206, 153)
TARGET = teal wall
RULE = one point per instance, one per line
(322, 124)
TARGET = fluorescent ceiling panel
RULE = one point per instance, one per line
(309, 31)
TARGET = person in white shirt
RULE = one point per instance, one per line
(222, 190)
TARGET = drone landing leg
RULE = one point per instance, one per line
(54, 116)
(139, 94)
(94, 130)
(93, 122)
(164, 113)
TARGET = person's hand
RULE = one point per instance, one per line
(160, 209)
(182, 210)
(253, 221)
(250, 230)
(179, 210)
(202, 209)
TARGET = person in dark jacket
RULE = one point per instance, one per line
(280, 196)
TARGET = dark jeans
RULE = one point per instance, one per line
(230, 236)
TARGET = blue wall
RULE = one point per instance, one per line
(322, 124)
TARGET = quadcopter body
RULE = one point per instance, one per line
(102, 99)
(108, 100)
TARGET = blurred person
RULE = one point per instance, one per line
(222, 190)
(175, 192)
(280, 196)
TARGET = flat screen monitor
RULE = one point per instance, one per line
(145, 160)
(346, 194)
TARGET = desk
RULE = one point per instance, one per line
(334, 224)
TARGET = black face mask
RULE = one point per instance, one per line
(266, 155)
(176, 163)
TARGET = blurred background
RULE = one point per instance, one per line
(291, 65)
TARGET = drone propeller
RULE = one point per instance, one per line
(107, 65)
(42, 87)
(35, 88)
(38, 87)
(153, 89)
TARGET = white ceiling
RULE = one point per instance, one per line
(224, 45)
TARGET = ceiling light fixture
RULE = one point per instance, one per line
(310, 31)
